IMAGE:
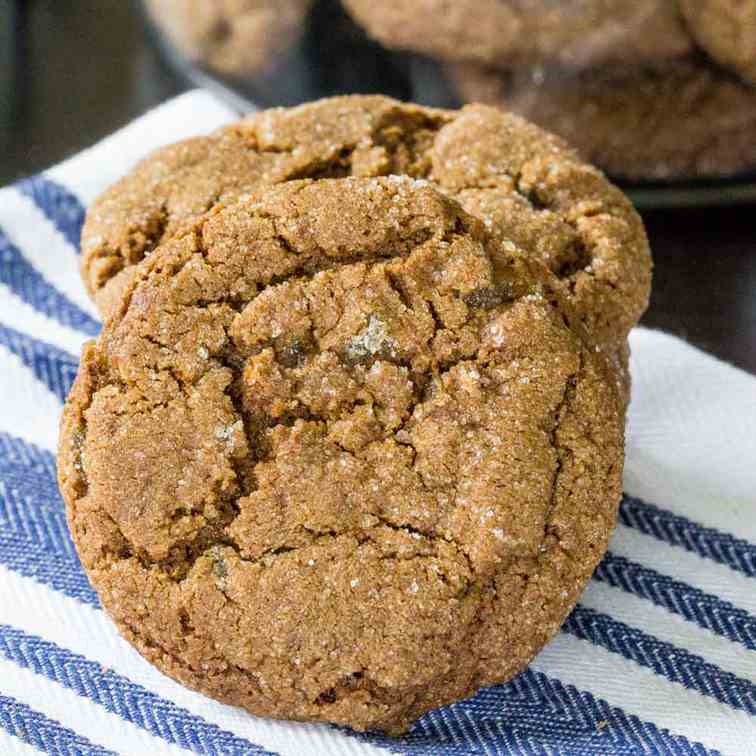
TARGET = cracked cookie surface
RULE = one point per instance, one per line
(528, 187)
(338, 455)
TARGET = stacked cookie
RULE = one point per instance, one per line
(350, 444)
(238, 38)
(646, 89)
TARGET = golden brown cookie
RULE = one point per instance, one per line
(338, 455)
(501, 33)
(726, 30)
(685, 119)
(528, 187)
(234, 37)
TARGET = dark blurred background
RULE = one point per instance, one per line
(72, 71)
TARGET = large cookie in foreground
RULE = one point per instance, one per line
(530, 189)
(338, 455)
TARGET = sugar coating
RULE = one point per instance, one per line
(356, 508)
(530, 190)
(371, 341)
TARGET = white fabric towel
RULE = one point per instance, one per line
(658, 657)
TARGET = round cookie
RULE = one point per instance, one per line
(529, 188)
(686, 119)
(338, 455)
(234, 37)
(726, 30)
(504, 33)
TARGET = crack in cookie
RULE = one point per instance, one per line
(528, 188)
(339, 455)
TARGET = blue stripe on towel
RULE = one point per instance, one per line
(53, 367)
(121, 696)
(62, 208)
(535, 714)
(34, 537)
(44, 733)
(709, 543)
(31, 560)
(670, 661)
(691, 603)
(18, 456)
(19, 275)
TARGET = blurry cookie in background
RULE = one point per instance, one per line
(502, 33)
(726, 30)
(682, 119)
(233, 37)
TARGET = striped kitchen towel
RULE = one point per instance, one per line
(657, 658)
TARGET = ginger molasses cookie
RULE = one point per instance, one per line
(501, 33)
(337, 455)
(685, 119)
(233, 37)
(726, 30)
(527, 186)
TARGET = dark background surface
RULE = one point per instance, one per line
(72, 71)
